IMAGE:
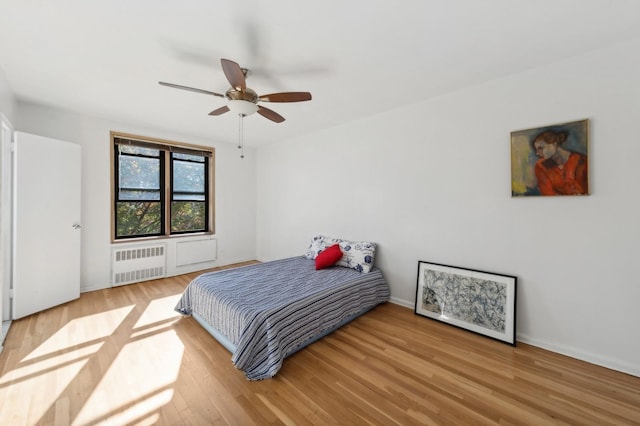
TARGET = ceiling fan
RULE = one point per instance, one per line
(243, 100)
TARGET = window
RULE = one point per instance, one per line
(188, 193)
(160, 188)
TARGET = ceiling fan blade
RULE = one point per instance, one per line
(191, 89)
(219, 111)
(234, 74)
(270, 114)
(286, 97)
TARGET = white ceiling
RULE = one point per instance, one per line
(105, 58)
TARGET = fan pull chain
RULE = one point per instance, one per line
(241, 134)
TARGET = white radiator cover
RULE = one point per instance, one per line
(193, 252)
(133, 264)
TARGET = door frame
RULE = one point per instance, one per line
(6, 220)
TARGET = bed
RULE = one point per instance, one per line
(264, 312)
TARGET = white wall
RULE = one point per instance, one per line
(235, 191)
(7, 99)
(432, 182)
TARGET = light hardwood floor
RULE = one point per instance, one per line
(123, 356)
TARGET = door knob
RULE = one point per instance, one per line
(76, 226)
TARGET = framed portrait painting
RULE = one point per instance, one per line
(551, 160)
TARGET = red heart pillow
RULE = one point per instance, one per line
(328, 257)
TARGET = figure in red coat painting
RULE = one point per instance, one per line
(559, 171)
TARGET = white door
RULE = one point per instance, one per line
(46, 237)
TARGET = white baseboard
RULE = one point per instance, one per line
(94, 288)
(402, 302)
(3, 333)
(589, 357)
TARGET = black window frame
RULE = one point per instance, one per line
(173, 192)
(166, 159)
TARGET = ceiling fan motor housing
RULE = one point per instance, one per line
(242, 95)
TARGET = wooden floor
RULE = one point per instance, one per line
(123, 356)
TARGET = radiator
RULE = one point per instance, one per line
(139, 263)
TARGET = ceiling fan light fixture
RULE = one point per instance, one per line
(242, 107)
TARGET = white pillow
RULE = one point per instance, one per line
(358, 255)
(318, 244)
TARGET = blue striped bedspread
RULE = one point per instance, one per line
(272, 309)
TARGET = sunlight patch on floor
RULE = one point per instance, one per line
(33, 370)
(53, 374)
(159, 310)
(145, 381)
(81, 331)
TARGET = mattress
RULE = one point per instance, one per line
(265, 312)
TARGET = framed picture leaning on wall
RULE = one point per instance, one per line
(478, 301)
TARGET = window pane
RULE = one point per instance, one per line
(139, 195)
(129, 149)
(188, 197)
(138, 218)
(139, 172)
(188, 177)
(198, 158)
(188, 216)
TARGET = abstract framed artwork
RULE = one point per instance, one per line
(551, 160)
(478, 301)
